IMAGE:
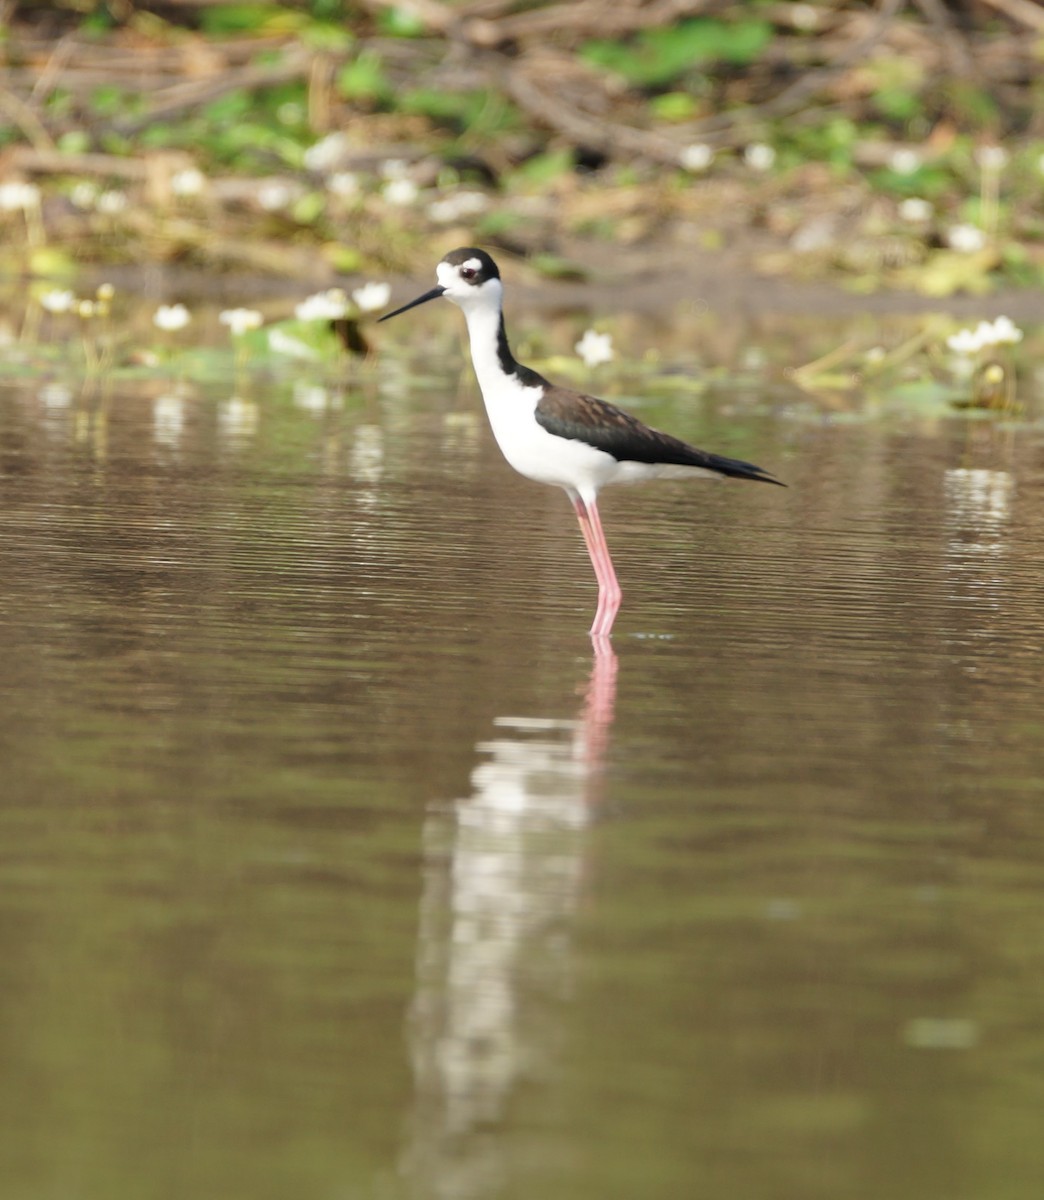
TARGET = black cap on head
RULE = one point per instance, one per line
(487, 267)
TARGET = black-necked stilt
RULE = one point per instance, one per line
(556, 435)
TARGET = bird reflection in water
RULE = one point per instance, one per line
(503, 878)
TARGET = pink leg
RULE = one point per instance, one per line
(609, 593)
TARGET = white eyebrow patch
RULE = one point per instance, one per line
(474, 263)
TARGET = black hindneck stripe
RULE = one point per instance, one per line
(504, 355)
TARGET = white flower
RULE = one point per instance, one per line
(965, 342)
(1002, 331)
(281, 342)
(759, 157)
(400, 192)
(697, 157)
(915, 210)
(84, 194)
(170, 317)
(190, 181)
(275, 194)
(111, 202)
(992, 158)
(327, 152)
(965, 239)
(372, 296)
(459, 205)
(323, 306)
(905, 160)
(240, 320)
(595, 348)
(343, 184)
(1006, 332)
(804, 16)
(16, 195)
(58, 301)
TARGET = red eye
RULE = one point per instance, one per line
(468, 272)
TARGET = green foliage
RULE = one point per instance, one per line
(479, 114)
(364, 79)
(673, 106)
(541, 169)
(227, 20)
(931, 181)
(400, 22)
(656, 57)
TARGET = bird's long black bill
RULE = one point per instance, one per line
(434, 294)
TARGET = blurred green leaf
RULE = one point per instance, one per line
(674, 106)
(400, 22)
(543, 168)
(658, 56)
(364, 78)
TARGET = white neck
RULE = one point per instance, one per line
(484, 332)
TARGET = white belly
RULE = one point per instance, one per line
(537, 454)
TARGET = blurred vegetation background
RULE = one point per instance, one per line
(880, 144)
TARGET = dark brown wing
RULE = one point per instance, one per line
(583, 418)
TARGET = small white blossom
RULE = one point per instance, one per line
(915, 210)
(1002, 331)
(111, 202)
(190, 181)
(595, 348)
(58, 301)
(804, 16)
(171, 317)
(16, 195)
(275, 194)
(696, 157)
(84, 194)
(905, 160)
(326, 153)
(281, 342)
(457, 206)
(400, 192)
(965, 342)
(323, 306)
(343, 184)
(992, 158)
(1005, 331)
(965, 239)
(759, 156)
(372, 296)
(240, 320)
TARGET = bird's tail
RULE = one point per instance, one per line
(736, 468)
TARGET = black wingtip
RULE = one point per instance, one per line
(736, 468)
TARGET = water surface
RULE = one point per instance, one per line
(337, 862)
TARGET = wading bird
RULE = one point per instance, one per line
(556, 435)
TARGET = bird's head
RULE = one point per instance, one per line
(468, 277)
